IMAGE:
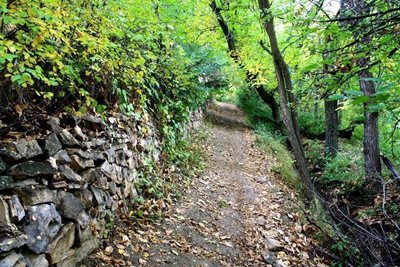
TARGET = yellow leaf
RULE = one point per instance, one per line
(12, 49)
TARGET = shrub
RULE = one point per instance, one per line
(345, 171)
(311, 125)
(255, 109)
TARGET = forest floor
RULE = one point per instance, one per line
(236, 213)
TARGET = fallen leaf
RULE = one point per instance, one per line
(109, 250)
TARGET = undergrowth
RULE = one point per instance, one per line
(158, 186)
(274, 145)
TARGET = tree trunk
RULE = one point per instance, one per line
(331, 128)
(371, 129)
(331, 122)
(372, 163)
(266, 97)
(285, 93)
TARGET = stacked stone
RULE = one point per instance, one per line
(57, 189)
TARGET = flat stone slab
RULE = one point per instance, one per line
(31, 169)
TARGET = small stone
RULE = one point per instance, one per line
(107, 169)
(260, 220)
(114, 206)
(269, 257)
(35, 196)
(86, 196)
(131, 163)
(28, 148)
(112, 120)
(11, 240)
(130, 190)
(129, 175)
(37, 260)
(5, 182)
(78, 132)
(79, 164)
(62, 157)
(91, 175)
(10, 152)
(280, 263)
(17, 212)
(95, 143)
(88, 154)
(120, 158)
(52, 162)
(83, 220)
(24, 183)
(84, 234)
(44, 222)
(57, 249)
(261, 180)
(273, 245)
(52, 144)
(99, 195)
(92, 122)
(70, 206)
(68, 139)
(68, 173)
(31, 169)
(12, 260)
(55, 125)
(3, 165)
(85, 249)
(113, 188)
(116, 175)
(74, 186)
(59, 184)
(110, 155)
(5, 219)
(102, 183)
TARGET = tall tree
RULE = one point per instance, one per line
(285, 89)
(331, 121)
(352, 13)
(266, 96)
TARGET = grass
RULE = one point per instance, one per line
(274, 146)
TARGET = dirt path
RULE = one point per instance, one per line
(235, 214)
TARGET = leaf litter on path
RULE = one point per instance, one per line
(237, 213)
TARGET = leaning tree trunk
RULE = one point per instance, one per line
(269, 98)
(285, 92)
(266, 97)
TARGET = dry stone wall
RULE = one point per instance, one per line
(57, 186)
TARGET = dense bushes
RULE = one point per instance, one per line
(91, 52)
(95, 55)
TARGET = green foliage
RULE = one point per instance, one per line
(311, 124)
(91, 55)
(255, 109)
(314, 151)
(344, 172)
